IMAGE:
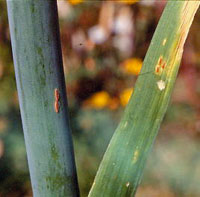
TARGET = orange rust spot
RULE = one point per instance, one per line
(160, 60)
(164, 64)
(157, 69)
(160, 66)
(56, 106)
(57, 98)
(56, 94)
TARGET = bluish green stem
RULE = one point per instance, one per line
(42, 95)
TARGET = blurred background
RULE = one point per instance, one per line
(104, 44)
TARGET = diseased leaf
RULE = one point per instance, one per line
(121, 169)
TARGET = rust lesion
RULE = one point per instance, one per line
(57, 98)
(160, 66)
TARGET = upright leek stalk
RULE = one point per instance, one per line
(122, 166)
(41, 88)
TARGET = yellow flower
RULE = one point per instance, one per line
(98, 100)
(128, 1)
(125, 96)
(133, 66)
(74, 2)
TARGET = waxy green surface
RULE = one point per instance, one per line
(38, 66)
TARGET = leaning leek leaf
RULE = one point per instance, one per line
(121, 169)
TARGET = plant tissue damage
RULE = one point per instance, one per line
(57, 98)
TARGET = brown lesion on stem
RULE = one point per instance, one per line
(57, 98)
